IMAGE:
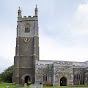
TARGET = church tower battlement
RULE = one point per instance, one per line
(22, 23)
(27, 48)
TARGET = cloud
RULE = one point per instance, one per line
(79, 24)
(61, 37)
(69, 44)
(7, 46)
(4, 63)
(53, 50)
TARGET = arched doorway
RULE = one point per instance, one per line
(63, 81)
(27, 80)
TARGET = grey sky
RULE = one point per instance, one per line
(63, 29)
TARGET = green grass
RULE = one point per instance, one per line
(3, 85)
(58, 87)
(81, 85)
(65, 87)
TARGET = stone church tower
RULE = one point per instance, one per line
(27, 48)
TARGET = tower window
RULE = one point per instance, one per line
(27, 27)
(27, 30)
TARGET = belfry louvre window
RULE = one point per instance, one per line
(45, 77)
(27, 30)
(27, 27)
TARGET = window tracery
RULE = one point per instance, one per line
(27, 27)
(44, 77)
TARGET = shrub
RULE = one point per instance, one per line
(49, 84)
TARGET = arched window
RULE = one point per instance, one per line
(27, 27)
(77, 76)
(44, 77)
(74, 76)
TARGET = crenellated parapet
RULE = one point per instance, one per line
(29, 18)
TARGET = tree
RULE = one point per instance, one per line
(6, 76)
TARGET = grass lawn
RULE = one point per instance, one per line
(3, 85)
(65, 87)
(58, 87)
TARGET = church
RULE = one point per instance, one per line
(28, 67)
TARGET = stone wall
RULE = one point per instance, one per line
(78, 76)
(86, 76)
(61, 69)
(42, 69)
(56, 70)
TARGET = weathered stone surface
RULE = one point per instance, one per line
(25, 85)
(7, 86)
(55, 70)
(36, 86)
(27, 49)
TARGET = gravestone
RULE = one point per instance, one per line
(36, 86)
(25, 85)
(7, 86)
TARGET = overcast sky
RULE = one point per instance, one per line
(63, 29)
